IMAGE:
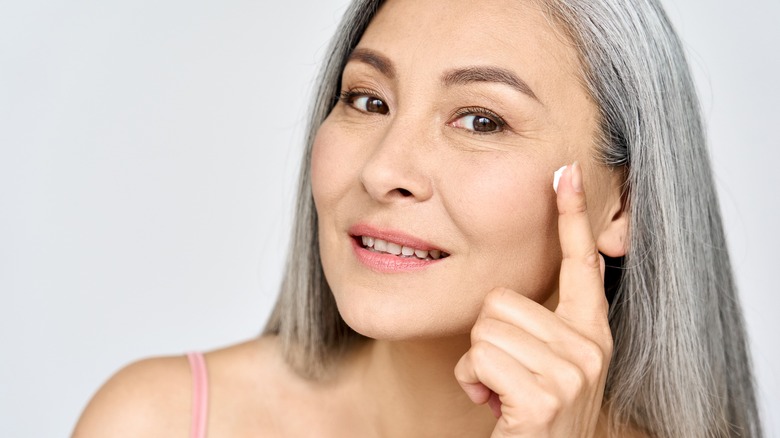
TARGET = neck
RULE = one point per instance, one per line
(409, 389)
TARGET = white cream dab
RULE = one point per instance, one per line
(557, 177)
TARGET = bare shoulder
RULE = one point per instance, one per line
(254, 392)
(251, 392)
(153, 397)
(150, 398)
(250, 384)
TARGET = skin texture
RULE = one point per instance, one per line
(485, 198)
(513, 324)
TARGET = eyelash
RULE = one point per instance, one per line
(349, 96)
(481, 112)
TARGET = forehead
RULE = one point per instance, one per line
(437, 35)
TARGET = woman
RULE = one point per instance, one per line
(434, 270)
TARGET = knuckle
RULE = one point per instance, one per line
(518, 425)
(573, 380)
(548, 407)
(593, 359)
(480, 330)
(461, 371)
(577, 206)
(480, 352)
(580, 204)
(604, 310)
(493, 301)
(513, 424)
(608, 344)
(486, 329)
(476, 334)
(592, 260)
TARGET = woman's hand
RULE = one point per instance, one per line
(543, 373)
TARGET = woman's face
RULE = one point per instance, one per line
(454, 116)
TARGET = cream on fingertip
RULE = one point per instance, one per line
(557, 177)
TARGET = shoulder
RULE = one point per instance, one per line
(150, 398)
(254, 392)
(251, 391)
(250, 385)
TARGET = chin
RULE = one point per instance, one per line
(403, 319)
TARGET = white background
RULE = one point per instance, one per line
(147, 159)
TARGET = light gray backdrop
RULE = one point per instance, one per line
(147, 157)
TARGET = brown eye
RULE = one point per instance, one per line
(484, 124)
(479, 124)
(370, 104)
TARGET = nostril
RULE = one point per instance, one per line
(405, 193)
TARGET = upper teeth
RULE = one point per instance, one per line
(380, 245)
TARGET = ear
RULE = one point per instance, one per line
(612, 241)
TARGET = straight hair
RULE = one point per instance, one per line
(680, 365)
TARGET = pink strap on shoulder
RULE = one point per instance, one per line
(200, 394)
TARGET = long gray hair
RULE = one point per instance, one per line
(680, 365)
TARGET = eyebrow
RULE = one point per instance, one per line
(500, 75)
(459, 76)
(374, 59)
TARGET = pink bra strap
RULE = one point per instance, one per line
(200, 394)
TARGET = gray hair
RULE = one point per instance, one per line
(680, 364)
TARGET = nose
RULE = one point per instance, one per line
(396, 171)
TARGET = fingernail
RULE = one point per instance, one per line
(576, 177)
(557, 178)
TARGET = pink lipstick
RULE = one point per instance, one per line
(391, 251)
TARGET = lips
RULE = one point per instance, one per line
(388, 251)
(383, 246)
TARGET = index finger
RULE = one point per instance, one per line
(581, 284)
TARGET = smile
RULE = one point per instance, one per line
(386, 247)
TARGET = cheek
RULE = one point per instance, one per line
(506, 210)
(329, 168)
(501, 196)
